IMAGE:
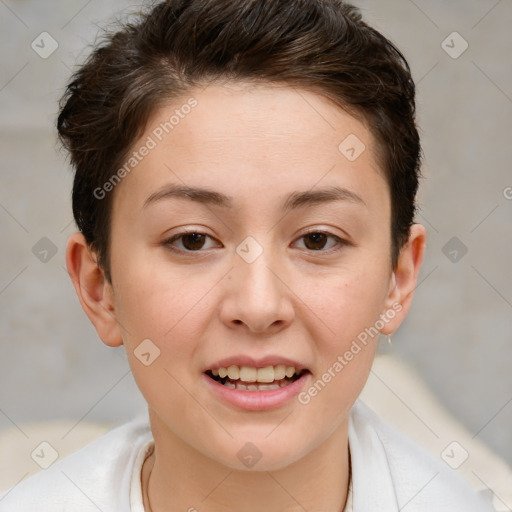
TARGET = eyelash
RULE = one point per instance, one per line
(339, 242)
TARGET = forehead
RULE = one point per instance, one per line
(247, 138)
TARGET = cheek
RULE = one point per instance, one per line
(349, 307)
(347, 302)
(171, 316)
(157, 301)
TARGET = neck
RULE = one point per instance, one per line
(178, 478)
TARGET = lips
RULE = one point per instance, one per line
(256, 384)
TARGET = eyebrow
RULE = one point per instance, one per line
(293, 201)
(197, 194)
(325, 195)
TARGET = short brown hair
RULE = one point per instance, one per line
(320, 45)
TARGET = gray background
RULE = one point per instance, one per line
(458, 334)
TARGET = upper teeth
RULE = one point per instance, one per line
(251, 374)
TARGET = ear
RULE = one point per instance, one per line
(404, 278)
(93, 289)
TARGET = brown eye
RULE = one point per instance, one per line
(193, 241)
(190, 241)
(320, 241)
(315, 241)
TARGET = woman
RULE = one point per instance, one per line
(245, 187)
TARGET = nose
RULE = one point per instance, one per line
(257, 298)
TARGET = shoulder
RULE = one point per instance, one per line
(388, 464)
(96, 477)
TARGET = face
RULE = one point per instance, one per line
(248, 241)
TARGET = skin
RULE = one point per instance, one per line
(307, 302)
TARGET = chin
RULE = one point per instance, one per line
(260, 454)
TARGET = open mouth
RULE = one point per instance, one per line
(246, 378)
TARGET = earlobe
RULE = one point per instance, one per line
(93, 290)
(404, 278)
